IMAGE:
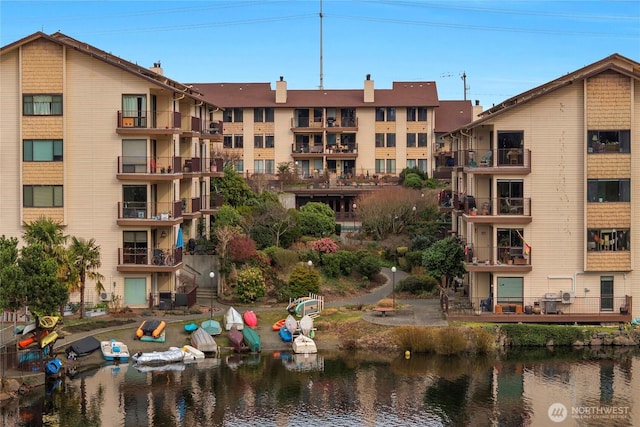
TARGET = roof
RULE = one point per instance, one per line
(402, 94)
(615, 62)
(92, 51)
(452, 114)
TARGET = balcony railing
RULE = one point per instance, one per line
(192, 165)
(190, 205)
(310, 124)
(493, 206)
(496, 158)
(149, 165)
(145, 210)
(162, 257)
(328, 149)
(142, 119)
(497, 255)
(212, 201)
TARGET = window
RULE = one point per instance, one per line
(134, 111)
(422, 165)
(227, 116)
(42, 105)
(269, 141)
(237, 115)
(258, 141)
(422, 114)
(238, 141)
(258, 166)
(379, 140)
(232, 115)
(391, 165)
(379, 165)
(262, 114)
(608, 239)
(269, 115)
(411, 140)
(609, 190)
(419, 113)
(227, 141)
(411, 163)
(387, 114)
(422, 140)
(238, 165)
(609, 141)
(134, 156)
(42, 150)
(42, 196)
(269, 166)
(317, 115)
(391, 140)
(134, 199)
(134, 247)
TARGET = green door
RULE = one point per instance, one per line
(135, 291)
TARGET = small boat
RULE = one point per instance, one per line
(151, 328)
(50, 338)
(149, 338)
(212, 327)
(293, 304)
(34, 338)
(114, 350)
(278, 325)
(307, 306)
(302, 344)
(82, 347)
(53, 367)
(197, 354)
(159, 357)
(306, 325)
(29, 328)
(190, 327)
(285, 334)
(48, 322)
(236, 338)
(291, 324)
(251, 339)
(250, 319)
(204, 342)
(187, 357)
(233, 318)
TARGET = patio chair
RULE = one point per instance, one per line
(486, 159)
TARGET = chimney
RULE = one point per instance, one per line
(476, 110)
(281, 91)
(157, 68)
(368, 89)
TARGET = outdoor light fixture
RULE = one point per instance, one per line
(393, 272)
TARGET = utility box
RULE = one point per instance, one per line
(551, 307)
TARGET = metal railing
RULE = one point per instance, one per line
(161, 211)
(145, 256)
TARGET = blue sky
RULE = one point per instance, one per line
(503, 47)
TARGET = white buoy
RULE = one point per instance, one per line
(407, 354)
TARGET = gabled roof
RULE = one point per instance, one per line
(615, 62)
(402, 94)
(89, 50)
(452, 114)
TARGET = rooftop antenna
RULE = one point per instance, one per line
(464, 83)
(321, 76)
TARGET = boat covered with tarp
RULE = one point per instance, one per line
(173, 355)
(82, 347)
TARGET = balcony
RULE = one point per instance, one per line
(148, 123)
(506, 210)
(538, 309)
(191, 208)
(150, 214)
(191, 126)
(497, 259)
(145, 260)
(304, 151)
(136, 168)
(309, 125)
(444, 165)
(512, 161)
(211, 202)
(213, 132)
(214, 167)
(192, 166)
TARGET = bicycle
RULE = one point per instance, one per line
(162, 257)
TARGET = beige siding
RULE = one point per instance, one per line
(42, 68)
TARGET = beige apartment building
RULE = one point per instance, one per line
(546, 198)
(111, 150)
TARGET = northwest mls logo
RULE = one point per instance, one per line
(557, 412)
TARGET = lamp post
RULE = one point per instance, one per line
(413, 209)
(354, 206)
(393, 273)
(211, 276)
(310, 263)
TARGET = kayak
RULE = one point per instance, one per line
(278, 325)
(250, 319)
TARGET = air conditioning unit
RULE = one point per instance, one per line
(550, 296)
(567, 297)
(105, 296)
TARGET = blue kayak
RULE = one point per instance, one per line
(285, 335)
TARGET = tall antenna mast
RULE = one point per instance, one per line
(321, 76)
(464, 83)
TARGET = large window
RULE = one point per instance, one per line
(261, 114)
(42, 196)
(411, 140)
(238, 165)
(608, 239)
(134, 199)
(416, 140)
(233, 141)
(416, 114)
(391, 165)
(233, 115)
(269, 141)
(134, 111)
(385, 140)
(42, 105)
(387, 114)
(258, 141)
(134, 156)
(608, 190)
(609, 141)
(134, 247)
(42, 150)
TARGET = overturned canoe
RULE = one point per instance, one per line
(251, 339)
(204, 342)
(233, 318)
(212, 327)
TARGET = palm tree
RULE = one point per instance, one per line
(46, 231)
(84, 260)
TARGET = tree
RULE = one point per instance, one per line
(11, 284)
(49, 233)
(84, 257)
(444, 260)
(316, 219)
(233, 187)
(40, 289)
(224, 235)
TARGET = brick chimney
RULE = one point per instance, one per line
(368, 89)
(281, 91)
(157, 68)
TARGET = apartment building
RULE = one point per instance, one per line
(546, 198)
(111, 150)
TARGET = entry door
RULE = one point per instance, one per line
(606, 293)
(135, 290)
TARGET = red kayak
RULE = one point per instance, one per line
(250, 319)
(278, 325)
(32, 339)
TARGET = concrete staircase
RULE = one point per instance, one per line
(205, 294)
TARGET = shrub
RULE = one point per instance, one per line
(304, 280)
(450, 340)
(368, 266)
(331, 265)
(418, 284)
(250, 285)
(540, 335)
(324, 246)
(413, 259)
(413, 181)
(241, 248)
(282, 258)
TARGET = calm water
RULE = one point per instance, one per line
(347, 389)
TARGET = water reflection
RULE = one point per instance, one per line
(342, 389)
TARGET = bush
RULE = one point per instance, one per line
(413, 259)
(331, 265)
(282, 258)
(413, 181)
(540, 335)
(418, 284)
(368, 266)
(250, 285)
(324, 246)
(304, 280)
